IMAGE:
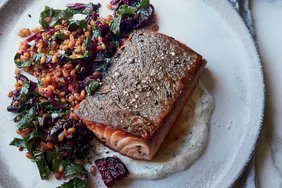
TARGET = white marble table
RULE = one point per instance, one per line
(267, 16)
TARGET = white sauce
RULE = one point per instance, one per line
(184, 143)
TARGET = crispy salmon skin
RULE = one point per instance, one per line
(149, 81)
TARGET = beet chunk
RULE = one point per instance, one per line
(111, 169)
(77, 146)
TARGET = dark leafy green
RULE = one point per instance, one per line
(32, 141)
(115, 25)
(18, 142)
(81, 8)
(20, 63)
(46, 105)
(47, 120)
(31, 148)
(92, 87)
(24, 92)
(56, 15)
(28, 142)
(90, 47)
(144, 4)
(96, 31)
(76, 147)
(42, 165)
(72, 169)
(88, 53)
(75, 183)
(55, 160)
(125, 10)
(61, 36)
(74, 25)
(33, 136)
(127, 18)
(25, 122)
(59, 15)
(18, 118)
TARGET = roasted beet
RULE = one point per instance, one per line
(82, 6)
(93, 16)
(55, 103)
(141, 19)
(76, 6)
(111, 169)
(74, 145)
(23, 99)
(34, 36)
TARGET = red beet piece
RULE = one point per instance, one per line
(111, 169)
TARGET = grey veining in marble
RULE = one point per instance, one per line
(243, 7)
(269, 153)
(267, 21)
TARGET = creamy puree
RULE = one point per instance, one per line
(184, 143)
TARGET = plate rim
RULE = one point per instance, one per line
(261, 116)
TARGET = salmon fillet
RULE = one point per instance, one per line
(148, 83)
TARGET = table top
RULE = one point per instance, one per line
(267, 15)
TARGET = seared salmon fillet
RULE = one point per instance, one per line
(146, 86)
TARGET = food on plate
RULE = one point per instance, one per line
(184, 143)
(80, 75)
(67, 58)
(111, 169)
(149, 81)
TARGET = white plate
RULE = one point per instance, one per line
(233, 76)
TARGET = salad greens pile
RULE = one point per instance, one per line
(50, 133)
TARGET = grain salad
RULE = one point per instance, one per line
(68, 58)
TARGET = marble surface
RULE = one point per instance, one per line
(267, 16)
(267, 171)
